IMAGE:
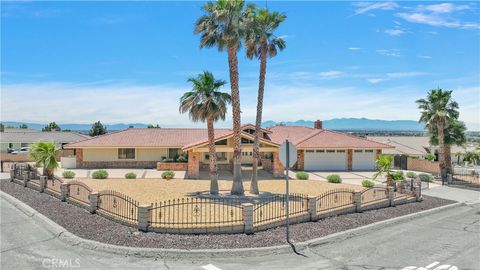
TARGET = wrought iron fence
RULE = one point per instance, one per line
(468, 177)
(272, 209)
(118, 205)
(20, 168)
(336, 198)
(374, 194)
(196, 212)
(79, 192)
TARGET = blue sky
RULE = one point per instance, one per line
(128, 61)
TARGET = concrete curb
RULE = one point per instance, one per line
(74, 240)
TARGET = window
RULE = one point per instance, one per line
(246, 141)
(126, 153)
(250, 153)
(24, 144)
(340, 151)
(222, 142)
(320, 151)
(221, 156)
(330, 151)
(310, 151)
(368, 151)
(10, 145)
(358, 151)
(173, 153)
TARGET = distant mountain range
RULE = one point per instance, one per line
(357, 124)
(335, 124)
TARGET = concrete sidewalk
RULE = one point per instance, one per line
(454, 194)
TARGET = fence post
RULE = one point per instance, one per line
(143, 216)
(312, 207)
(64, 190)
(25, 178)
(418, 192)
(12, 175)
(358, 201)
(43, 183)
(93, 198)
(248, 217)
(391, 196)
(449, 178)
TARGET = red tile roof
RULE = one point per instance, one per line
(148, 137)
(302, 137)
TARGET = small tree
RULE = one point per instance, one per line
(45, 154)
(152, 126)
(52, 127)
(97, 129)
(23, 126)
(384, 166)
(430, 157)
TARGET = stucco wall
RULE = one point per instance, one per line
(423, 165)
(111, 154)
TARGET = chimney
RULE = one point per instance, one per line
(318, 124)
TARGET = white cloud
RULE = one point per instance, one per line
(395, 32)
(443, 8)
(389, 52)
(114, 103)
(354, 49)
(308, 75)
(425, 56)
(429, 19)
(438, 15)
(376, 80)
(395, 75)
(364, 7)
(330, 74)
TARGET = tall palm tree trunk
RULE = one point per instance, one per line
(448, 158)
(213, 158)
(441, 149)
(258, 120)
(237, 187)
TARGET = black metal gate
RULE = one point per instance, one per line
(400, 162)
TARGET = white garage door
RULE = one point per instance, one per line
(325, 160)
(363, 160)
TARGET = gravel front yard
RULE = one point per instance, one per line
(77, 220)
(157, 190)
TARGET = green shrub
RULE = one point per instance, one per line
(168, 174)
(398, 176)
(100, 174)
(334, 178)
(181, 159)
(430, 157)
(130, 175)
(411, 175)
(425, 177)
(367, 183)
(68, 174)
(302, 175)
(168, 160)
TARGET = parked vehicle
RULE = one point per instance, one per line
(23, 150)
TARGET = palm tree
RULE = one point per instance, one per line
(384, 166)
(206, 103)
(223, 26)
(260, 42)
(454, 135)
(45, 154)
(437, 110)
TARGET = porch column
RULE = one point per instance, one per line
(193, 170)
(300, 160)
(378, 152)
(79, 157)
(349, 159)
(278, 169)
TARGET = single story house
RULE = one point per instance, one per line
(417, 146)
(318, 149)
(15, 138)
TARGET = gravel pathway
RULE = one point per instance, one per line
(79, 222)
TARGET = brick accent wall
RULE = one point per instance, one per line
(278, 169)
(300, 160)
(349, 159)
(174, 166)
(423, 165)
(193, 166)
(79, 156)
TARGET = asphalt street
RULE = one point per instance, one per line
(450, 237)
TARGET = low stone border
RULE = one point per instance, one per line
(232, 244)
(74, 240)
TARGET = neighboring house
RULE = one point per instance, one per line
(417, 146)
(15, 138)
(318, 149)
